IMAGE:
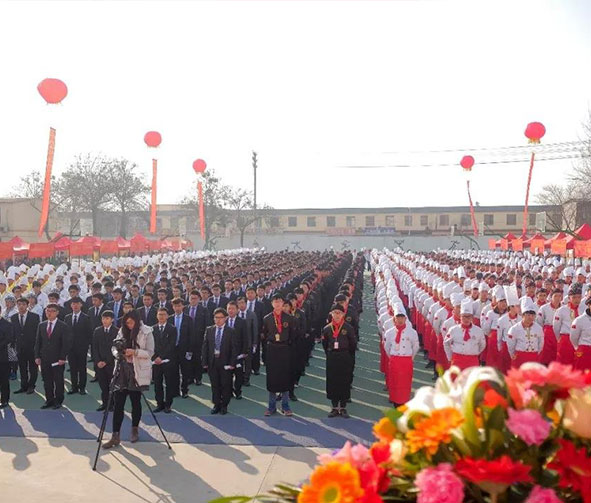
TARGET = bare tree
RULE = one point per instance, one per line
(127, 190)
(563, 198)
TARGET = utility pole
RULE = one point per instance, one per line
(254, 169)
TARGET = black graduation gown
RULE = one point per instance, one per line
(339, 362)
(279, 349)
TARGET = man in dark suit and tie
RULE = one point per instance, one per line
(96, 310)
(104, 361)
(54, 298)
(24, 325)
(254, 305)
(217, 300)
(198, 315)
(148, 310)
(184, 342)
(163, 300)
(165, 368)
(135, 297)
(94, 289)
(251, 321)
(220, 351)
(52, 345)
(240, 334)
(116, 305)
(6, 338)
(81, 330)
(74, 292)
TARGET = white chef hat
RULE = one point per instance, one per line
(466, 307)
(483, 287)
(499, 293)
(399, 309)
(527, 304)
(456, 299)
(511, 295)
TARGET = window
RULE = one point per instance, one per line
(370, 221)
(424, 220)
(390, 221)
(408, 220)
(444, 220)
(292, 221)
(465, 220)
(331, 221)
(311, 221)
(512, 219)
(489, 219)
(532, 218)
(350, 221)
(274, 222)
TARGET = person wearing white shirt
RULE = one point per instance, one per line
(580, 336)
(504, 324)
(525, 340)
(401, 345)
(490, 328)
(464, 342)
(545, 319)
(563, 319)
(453, 320)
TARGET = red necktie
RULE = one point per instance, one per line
(466, 332)
(399, 329)
(49, 330)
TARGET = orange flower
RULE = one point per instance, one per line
(332, 483)
(428, 433)
(384, 430)
(494, 399)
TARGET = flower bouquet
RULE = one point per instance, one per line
(476, 436)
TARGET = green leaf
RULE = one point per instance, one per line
(496, 419)
(393, 415)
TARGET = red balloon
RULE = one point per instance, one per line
(467, 162)
(53, 91)
(199, 166)
(153, 139)
(535, 131)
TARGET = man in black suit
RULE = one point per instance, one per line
(6, 338)
(116, 305)
(253, 305)
(220, 351)
(135, 297)
(251, 336)
(163, 300)
(217, 300)
(74, 292)
(104, 362)
(24, 326)
(52, 345)
(184, 342)
(165, 366)
(81, 330)
(241, 335)
(96, 310)
(94, 289)
(198, 315)
(148, 312)
(54, 298)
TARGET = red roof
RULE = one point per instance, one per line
(63, 243)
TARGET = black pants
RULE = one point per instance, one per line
(238, 374)
(104, 377)
(221, 384)
(247, 362)
(166, 373)
(53, 382)
(255, 357)
(197, 365)
(185, 369)
(28, 369)
(339, 403)
(136, 408)
(77, 361)
(4, 382)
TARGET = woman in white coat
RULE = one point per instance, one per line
(135, 373)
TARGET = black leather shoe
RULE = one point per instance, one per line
(101, 408)
(224, 411)
(30, 391)
(345, 414)
(160, 408)
(185, 395)
(82, 392)
(198, 383)
(47, 405)
(94, 379)
(19, 391)
(238, 396)
(216, 410)
(72, 392)
(333, 413)
(57, 406)
(3, 405)
(167, 410)
(246, 383)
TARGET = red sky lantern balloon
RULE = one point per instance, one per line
(153, 139)
(535, 131)
(199, 166)
(53, 91)
(467, 162)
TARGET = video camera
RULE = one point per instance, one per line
(118, 349)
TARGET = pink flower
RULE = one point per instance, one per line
(541, 495)
(556, 375)
(528, 425)
(439, 485)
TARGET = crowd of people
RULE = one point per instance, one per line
(172, 319)
(469, 308)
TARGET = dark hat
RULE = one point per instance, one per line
(576, 289)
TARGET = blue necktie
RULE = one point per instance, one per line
(177, 323)
(218, 339)
(192, 313)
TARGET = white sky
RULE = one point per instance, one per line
(309, 85)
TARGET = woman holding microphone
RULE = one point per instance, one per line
(135, 372)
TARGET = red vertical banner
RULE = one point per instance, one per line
(153, 205)
(531, 168)
(201, 209)
(472, 214)
(47, 185)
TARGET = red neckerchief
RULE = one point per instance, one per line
(512, 317)
(336, 328)
(466, 331)
(450, 313)
(457, 319)
(399, 332)
(278, 323)
(540, 305)
(574, 308)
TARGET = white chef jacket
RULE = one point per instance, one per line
(409, 342)
(580, 332)
(454, 341)
(563, 319)
(521, 339)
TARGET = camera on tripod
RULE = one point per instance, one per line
(118, 349)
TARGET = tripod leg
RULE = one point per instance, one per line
(105, 417)
(155, 419)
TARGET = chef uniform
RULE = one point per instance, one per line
(453, 320)
(545, 318)
(525, 344)
(490, 329)
(563, 319)
(463, 344)
(503, 325)
(580, 336)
